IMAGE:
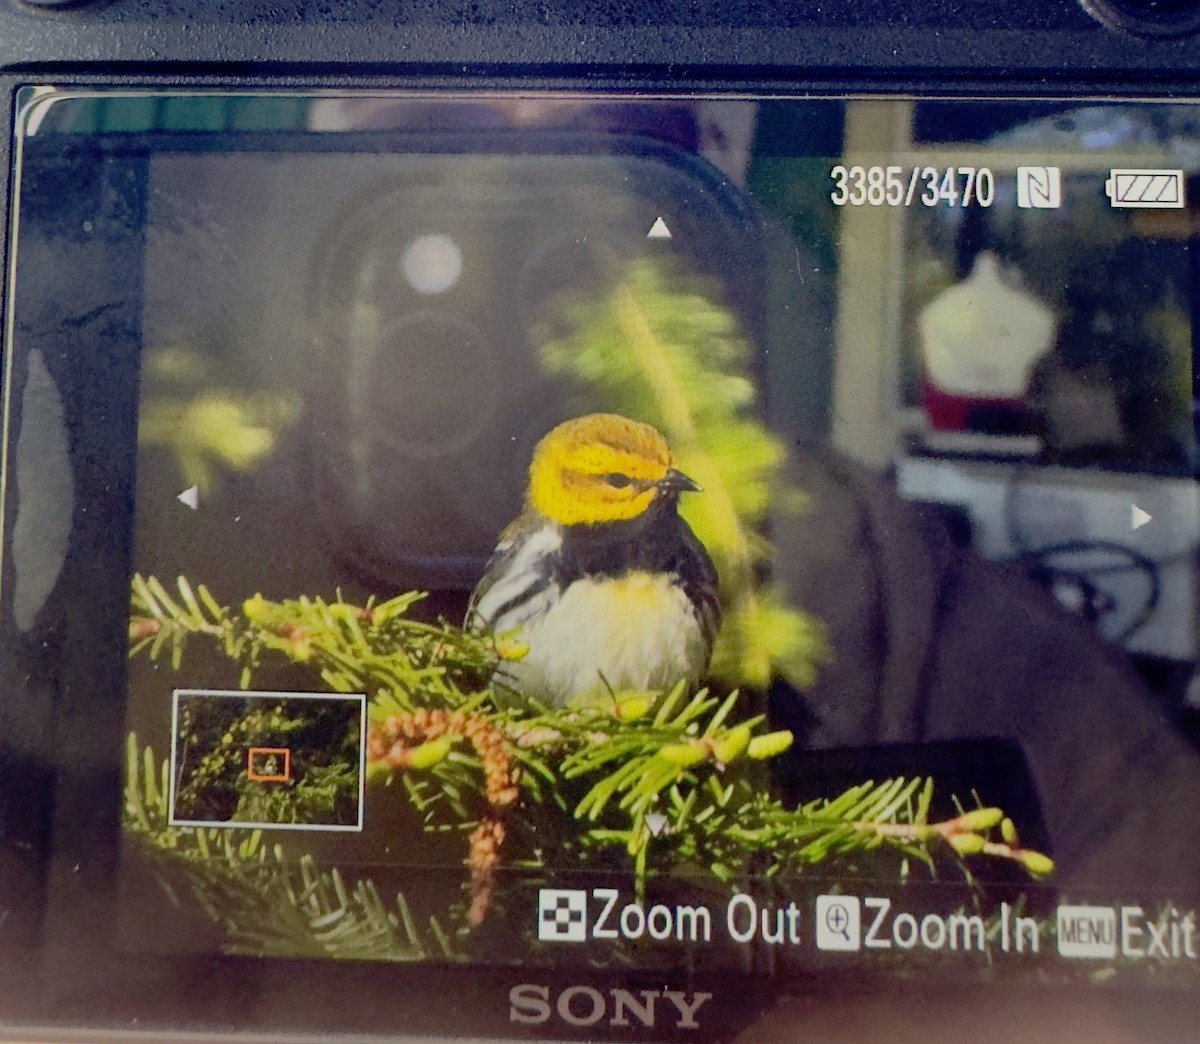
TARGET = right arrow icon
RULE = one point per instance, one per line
(1138, 517)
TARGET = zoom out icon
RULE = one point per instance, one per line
(562, 915)
(839, 922)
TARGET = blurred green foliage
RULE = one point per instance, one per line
(206, 426)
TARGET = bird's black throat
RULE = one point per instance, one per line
(658, 541)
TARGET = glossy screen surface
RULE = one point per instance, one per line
(871, 658)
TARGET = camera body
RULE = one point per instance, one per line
(63, 724)
(1043, 45)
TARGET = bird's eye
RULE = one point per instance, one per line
(617, 480)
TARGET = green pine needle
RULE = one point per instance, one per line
(587, 780)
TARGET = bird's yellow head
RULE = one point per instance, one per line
(602, 468)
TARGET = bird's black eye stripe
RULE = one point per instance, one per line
(617, 480)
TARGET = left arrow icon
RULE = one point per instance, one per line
(190, 497)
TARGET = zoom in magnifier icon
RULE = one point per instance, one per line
(838, 921)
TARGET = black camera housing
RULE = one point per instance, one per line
(1042, 47)
(1027, 49)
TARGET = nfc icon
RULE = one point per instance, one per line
(1039, 188)
(562, 915)
(839, 922)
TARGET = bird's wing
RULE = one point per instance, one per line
(521, 577)
(699, 579)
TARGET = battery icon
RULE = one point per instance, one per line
(1157, 189)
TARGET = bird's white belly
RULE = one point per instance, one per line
(634, 632)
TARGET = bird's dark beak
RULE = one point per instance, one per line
(675, 482)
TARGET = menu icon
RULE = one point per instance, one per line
(1088, 932)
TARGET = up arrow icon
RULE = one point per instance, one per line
(659, 229)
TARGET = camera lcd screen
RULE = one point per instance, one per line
(672, 541)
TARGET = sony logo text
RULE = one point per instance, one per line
(581, 1006)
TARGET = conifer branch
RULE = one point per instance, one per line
(648, 783)
(269, 903)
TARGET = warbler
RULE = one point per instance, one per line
(599, 578)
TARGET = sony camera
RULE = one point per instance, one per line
(609, 522)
